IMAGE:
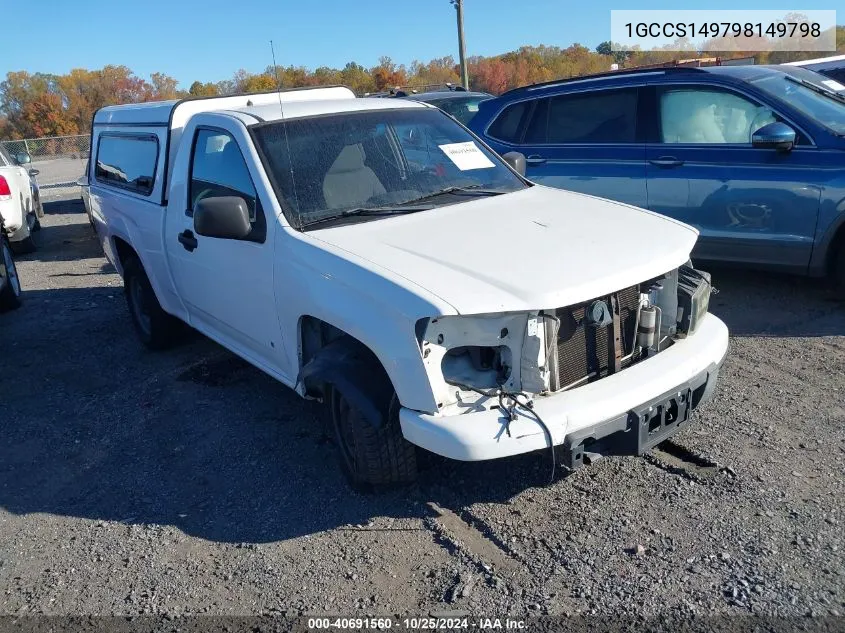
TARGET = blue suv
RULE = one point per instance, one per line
(753, 156)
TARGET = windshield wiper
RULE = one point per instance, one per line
(472, 190)
(367, 211)
(817, 88)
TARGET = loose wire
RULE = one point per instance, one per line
(510, 415)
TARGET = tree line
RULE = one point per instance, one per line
(34, 105)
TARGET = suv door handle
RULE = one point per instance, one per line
(186, 238)
(535, 159)
(667, 161)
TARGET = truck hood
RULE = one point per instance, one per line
(539, 248)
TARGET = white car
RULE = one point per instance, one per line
(20, 203)
(833, 68)
(10, 284)
(444, 302)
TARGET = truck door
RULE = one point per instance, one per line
(226, 284)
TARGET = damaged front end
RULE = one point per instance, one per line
(473, 360)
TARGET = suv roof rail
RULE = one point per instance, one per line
(611, 73)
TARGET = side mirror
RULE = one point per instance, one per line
(226, 217)
(516, 160)
(776, 135)
(34, 172)
(23, 158)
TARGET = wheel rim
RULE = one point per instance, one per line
(11, 270)
(140, 307)
(345, 432)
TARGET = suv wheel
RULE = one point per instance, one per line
(371, 456)
(155, 328)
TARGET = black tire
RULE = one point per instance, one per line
(156, 329)
(25, 246)
(371, 457)
(10, 296)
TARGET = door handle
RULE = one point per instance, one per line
(535, 159)
(186, 238)
(667, 161)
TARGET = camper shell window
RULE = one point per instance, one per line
(127, 161)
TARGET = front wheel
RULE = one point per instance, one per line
(156, 329)
(10, 296)
(371, 456)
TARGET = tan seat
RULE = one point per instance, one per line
(349, 182)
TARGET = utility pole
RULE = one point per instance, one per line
(459, 9)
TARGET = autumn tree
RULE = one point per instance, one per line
(388, 75)
(164, 87)
(46, 116)
(438, 71)
(199, 89)
(325, 76)
(17, 94)
(357, 78)
(257, 83)
(488, 74)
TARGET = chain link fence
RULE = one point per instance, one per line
(60, 161)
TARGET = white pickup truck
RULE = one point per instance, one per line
(374, 255)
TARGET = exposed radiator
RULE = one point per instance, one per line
(587, 352)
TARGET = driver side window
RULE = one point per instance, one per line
(218, 169)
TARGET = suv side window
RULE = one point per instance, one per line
(218, 169)
(508, 125)
(709, 115)
(606, 116)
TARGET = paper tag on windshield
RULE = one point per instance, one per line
(466, 156)
(833, 85)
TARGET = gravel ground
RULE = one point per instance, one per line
(187, 482)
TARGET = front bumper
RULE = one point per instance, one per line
(591, 412)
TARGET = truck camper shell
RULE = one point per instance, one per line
(174, 114)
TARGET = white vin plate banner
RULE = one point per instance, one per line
(466, 156)
(718, 32)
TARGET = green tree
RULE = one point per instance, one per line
(357, 78)
(618, 56)
(199, 89)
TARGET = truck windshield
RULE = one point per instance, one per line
(337, 167)
(808, 92)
